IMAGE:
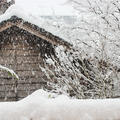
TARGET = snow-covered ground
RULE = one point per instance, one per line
(42, 105)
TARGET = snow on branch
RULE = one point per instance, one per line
(10, 72)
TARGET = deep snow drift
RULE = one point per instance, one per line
(42, 105)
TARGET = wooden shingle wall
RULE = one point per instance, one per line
(25, 54)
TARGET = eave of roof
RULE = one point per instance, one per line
(33, 29)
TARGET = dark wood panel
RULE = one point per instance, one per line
(22, 53)
(29, 87)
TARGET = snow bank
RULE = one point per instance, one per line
(42, 105)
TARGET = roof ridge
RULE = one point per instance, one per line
(34, 29)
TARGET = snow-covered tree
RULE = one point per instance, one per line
(92, 69)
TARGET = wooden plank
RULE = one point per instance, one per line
(28, 59)
(9, 99)
(7, 94)
(6, 26)
(38, 34)
(22, 82)
(27, 73)
(28, 52)
(6, 61)
(29, 87)
(23, 94)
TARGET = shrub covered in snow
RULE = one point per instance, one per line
(91, 70)
(9, 71)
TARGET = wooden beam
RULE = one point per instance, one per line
(20, 24)
(6, 26)
(38, 34)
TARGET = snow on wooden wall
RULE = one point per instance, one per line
(25, 54)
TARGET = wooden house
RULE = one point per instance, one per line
(23, 48)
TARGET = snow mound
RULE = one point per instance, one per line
(38, 95)
(43, 105)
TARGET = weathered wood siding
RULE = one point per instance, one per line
(24, 53)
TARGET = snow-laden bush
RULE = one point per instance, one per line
(92, 70)
(9, 71)
(95, 36)
(80, 77)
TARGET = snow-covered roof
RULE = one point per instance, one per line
(32, 10)
(33, 29)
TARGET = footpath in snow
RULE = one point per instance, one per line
(42, 105)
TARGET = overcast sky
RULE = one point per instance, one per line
(46, 7)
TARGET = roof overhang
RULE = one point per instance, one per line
(33, 29)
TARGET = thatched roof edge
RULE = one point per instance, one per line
(40, 32)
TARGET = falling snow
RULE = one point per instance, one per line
(88, 69)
